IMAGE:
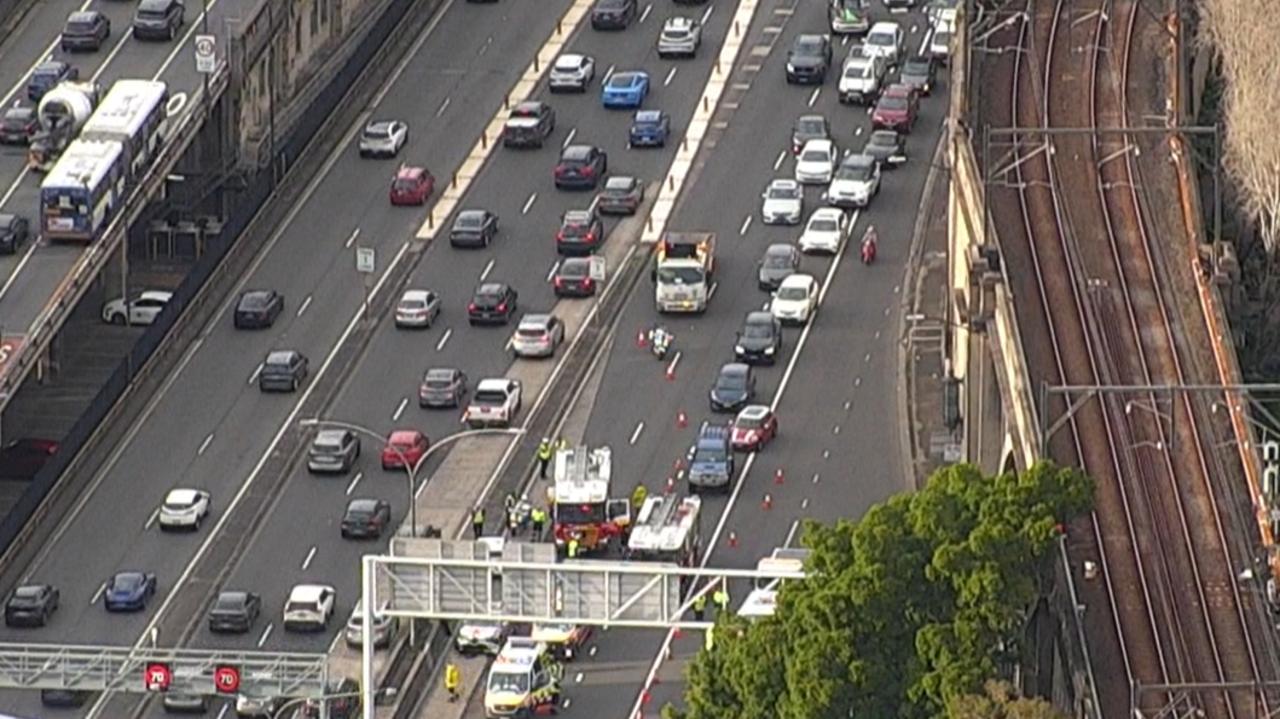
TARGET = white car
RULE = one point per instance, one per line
(857, 180)
(795, 300)
(383, 138)
(572, 72)
(885, 40)
(940, 46)
(417, 308)
(183, 509)
(494, 403)
(142, 311)
(783, 203)
(537, 336)
(861, 79)
(679, 36)
(817, 162)
(384, 627)
(309, 607)
(824, 232)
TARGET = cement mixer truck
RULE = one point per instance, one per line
(61, 113)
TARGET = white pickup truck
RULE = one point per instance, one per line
(494, 403)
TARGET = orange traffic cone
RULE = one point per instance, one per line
(733, 538)
(679, 463)
(671, 485)
(767, 502)
(671, 373)
(640, 339)
(645, 698)
(777, 476)
(682, 420)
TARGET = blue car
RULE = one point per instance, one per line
(650, 128)
(625, 89)
(129, 591)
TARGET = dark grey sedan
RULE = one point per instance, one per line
(257, 309)
(282, 371)
(622, 195)
(473, 228)
(780, 261)
(234, 612)
(365, 518)
(442, 387)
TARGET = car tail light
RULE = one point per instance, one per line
(560, 170)
(588, 171)
(559, 282)
(471, 307)
(587, 282)
(591, 237)
(560, 236)
(502, 306)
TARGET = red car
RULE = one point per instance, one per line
(754, 426)
(896, 109)
(404, 445)
(412, 186)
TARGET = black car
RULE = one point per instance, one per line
(18, 124)
(529, 124)
(809, 127)
(442, 387)
(282, 371)
(47, 75)
(85, 30)
(920, 73)
(573, 278)
(581, 233)
(365, 518)
(257, 309)
(779, 262)
(808, 59)
(622, 195)
(888, 147)
(14, 231)
(22, 458)
(65, 698)
(734, 388)
(158, 19)
(234, 612)
(759, 340)
(612, 14)
(473, 228)
(31, 605)
(581, 167)
(492, 303)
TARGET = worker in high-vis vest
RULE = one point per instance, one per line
(638, 496)
(544, 457)
(477, 522)
(538, 516)
(573, 547)
(699, 606)
(721, 599)
(452, 681)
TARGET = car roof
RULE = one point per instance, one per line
(649, 115)
(783, 183)
(233, 595)
(404, 436)
(809, 37)
(331, 436)
(799, 279)
(28, 590)
(182, 496)
(898, 89)
(7, 219)
(530, 106)
(536, 321)
(410, 172)
(491, 288)
(308, 592)
(779, 248)
(84, 16)
(631, 76)
(154, 4)
(885, 26)
(52, 66)
(735, 369)
(471, 214)
(379, 125)
(442, 373)
(362, 503)
(884, 135)
(420, 295)
(757, 317)
(257, 294)
(129, 574)
(576, 152)
(858, 160)
(818, 144)
(571, 58)
(619, 182)
(280, 356)
(754, 412)
(162, 295)
(678, 21)
(827, 213)
(577, 217)
(713, 431)
(805, 119)
(492, 384)
(576, 263)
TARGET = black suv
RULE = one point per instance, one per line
(492, 303)
(808, 59)
(612, 14)
(581, 167)
(529, 124)
(18, 124)
(759, 340)
(573, 278)
(920, 73)
(473, 228)
(85, 30)
(734, 389)
(158, 19)
(257, 309)
(234, 612)
(581, 233)
(31, 605)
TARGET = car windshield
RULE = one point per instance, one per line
(183, 504)
(811, 127)
(27, 593)
(489, 397)
(808, 46)
(229, 603)
(793, 293)
(413, 304)
(815, 156)
(750, 422)
(574, 269)
(359, 511)
(709, 453)
(883, 139)
(856, 172)
(301, 606)
(377, 132)
(404, 183)
(503, 682)
(438, 383)
(618, 184)
(784, 192)
(880, 39)
(278, 359)
(568, 64)
(151, 13)
(254, 301)
(623, 80)
(897, 104)
(80, 26)
(679, 275)
(857, 70)
(757, 331)
(731, 381)
(18, 116)
(532, 332)
(47, 72)
(126, 582)
(468, 221)
(777, 260)
(915, 67)
(823, 225)
(941, 39)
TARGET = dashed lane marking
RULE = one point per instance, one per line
(782, 155)
(647, 9)
(265, 633)
(569, 138)
(305, 304)
(311, 554)
(354, 481)
(205, 444)
(528, 203)
(444, 106)
(636, 434)
(443, 338)
(404, 402)
(745, 224)
(484, 274)
(351, 240)
(670, 75)
(98, 594)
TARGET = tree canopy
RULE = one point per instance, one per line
(906, 613)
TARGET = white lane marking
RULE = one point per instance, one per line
(636, 434)
(351, 240)
(265, 633)
(826, 454)
(814, 97)
(608, 74)
(867, 358)
(223, 711)
(592, 651)
(256, 371)
(745, 224)
(577, 678)
(552, 273)
(98, 594)
(924, 41)
(487, 269)
(205, 444)
(804, 503)
(816, 476)
(847, 405)
(647, 9)
(778, 162)
(443, 338)
(151, 520)
(124, 38)
(857, 131)
(528, 203)
(485, 47)
(26, 256)
(835, 429)
(669, 76)
(711, 292)
(306, 563)
(671, 368)
(791, 533)
(395, 416)
(14, 188)
(707, 13)
(594, 202)
(844, 40)
(569, 138)
(444, 106)
(567, 701)
(354, 481)
(305, 304)
(46, 55)
(746, 467)
(914, 28)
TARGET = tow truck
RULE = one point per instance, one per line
(683, 266)
(763, 599)
(580, 504)
(523, 679)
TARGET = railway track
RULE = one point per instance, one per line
(1177, 615)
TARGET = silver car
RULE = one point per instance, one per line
(783, 203)
(680, 36)
(383, 138)
(333, 450)
(417, 308)
(572, 72)
(537, 336)
(384, 628)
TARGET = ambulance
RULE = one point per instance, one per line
(524, 681)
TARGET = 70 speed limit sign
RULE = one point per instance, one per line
(206, 53)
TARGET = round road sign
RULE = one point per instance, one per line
(157, 676)
(204, 45)
(226, 679)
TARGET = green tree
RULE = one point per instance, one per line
(903, 613)
(1000, 701)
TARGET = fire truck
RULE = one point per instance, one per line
(668, 529)
(581, 507)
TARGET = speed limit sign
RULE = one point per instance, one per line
(226, 679)
(157, 676)
(206, 53)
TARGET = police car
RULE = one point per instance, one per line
(523, 680)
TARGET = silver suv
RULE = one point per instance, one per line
(333, 450)
(680, 36)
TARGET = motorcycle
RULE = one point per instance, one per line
(869, 247)
(518, 516)
(660, 342)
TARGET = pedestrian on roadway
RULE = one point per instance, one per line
(539, 517)
(699, 606)
(477, 521)
(544, 457)
(638, 496)
(452, 680)
(721, 600)
(573, 547)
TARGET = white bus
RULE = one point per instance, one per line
(135, 114)
(80, 195)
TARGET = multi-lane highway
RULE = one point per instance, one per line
(29, 278)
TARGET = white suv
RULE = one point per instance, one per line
(680, 36)
(309, 607)
(861, 79)
(885, 40)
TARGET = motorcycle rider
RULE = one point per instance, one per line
(869, 245)
(660, 339)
